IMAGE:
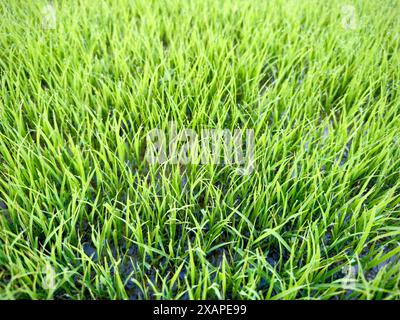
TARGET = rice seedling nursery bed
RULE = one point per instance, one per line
(312, 211)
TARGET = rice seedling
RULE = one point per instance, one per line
(85, 215)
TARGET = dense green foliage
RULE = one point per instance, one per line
(84, 216)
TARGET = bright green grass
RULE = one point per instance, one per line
(76, 196)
